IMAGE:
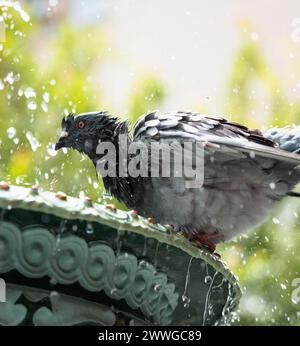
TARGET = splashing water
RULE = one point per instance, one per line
(46, 97)
(10, 78)
(82, 195)
(156, 254)
(157, 287)
(106, 197)
(144, 253)
(206, 308)
(53, 282)
(61, 230)
(34, 143)
(32, 105)
(17, 7)
(143, 264)
(217, 286)
(54, 296)
(89, 228)
(29, 93)
(51, 149)
(185, 299)
(120, 233)
(11, 132)
(113, 291)
(75, 228)
(44, 107)
(227, 307)
(208, 279)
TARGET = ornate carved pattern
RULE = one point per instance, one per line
(67, 259)
(36, 253)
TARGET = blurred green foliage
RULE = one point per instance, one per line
(148, 93)
(46, 72)
(56, 63)
(266, 261)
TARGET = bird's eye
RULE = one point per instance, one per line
(81, 124)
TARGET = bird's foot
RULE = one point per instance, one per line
(207, 239)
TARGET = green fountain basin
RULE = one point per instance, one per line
(68, 261)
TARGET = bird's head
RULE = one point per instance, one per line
(84, 131)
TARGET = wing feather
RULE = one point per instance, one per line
(215, 133)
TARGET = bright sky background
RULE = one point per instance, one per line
(190, 44)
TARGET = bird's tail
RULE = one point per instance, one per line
(288, 138)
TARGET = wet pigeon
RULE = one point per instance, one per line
(245, 171)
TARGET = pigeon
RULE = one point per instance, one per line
(245, 172)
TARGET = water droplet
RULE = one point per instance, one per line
(32, 105)
(24, 15)
(186, 301)
(252, 154)
(29, 92)
(207, 279)
(53, 282)
(89, 228)
(157, 287)
(143, 264)
(44, 107)
(113, 290)
(33, 141)
(272, 186)
(51, 149)
(46, 97)
(74, 228)
(54, 294)
(187, 304)
(11, 132)
(275, 221)
(10, 78)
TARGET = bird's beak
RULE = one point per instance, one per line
(62, 140)
(59, 145)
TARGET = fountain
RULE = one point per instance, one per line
(70, 261)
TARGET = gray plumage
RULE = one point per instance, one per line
(245, 172)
